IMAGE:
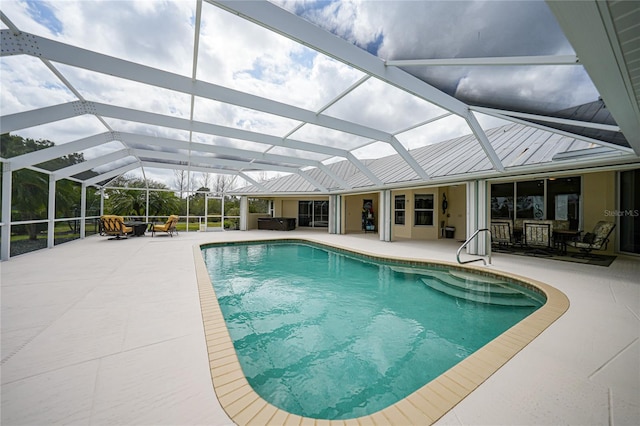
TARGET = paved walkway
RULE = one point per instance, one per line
(101, 332)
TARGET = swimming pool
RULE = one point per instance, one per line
(403, 334)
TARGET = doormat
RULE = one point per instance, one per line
(600, 260)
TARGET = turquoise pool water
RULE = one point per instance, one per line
(331, 335)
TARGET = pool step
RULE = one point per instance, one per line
(494, 298)
(476, 277)
(469, 286)
(470, 282)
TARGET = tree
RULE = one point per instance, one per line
(182, 180)
(133, 202)
(223, 183)
(205, 181)
(30, 189)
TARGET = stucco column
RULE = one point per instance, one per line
(477, 218)
(335, 214)
(244, 213)
(384, 215)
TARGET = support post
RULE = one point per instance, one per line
(51, 227)
(477, 215)
(83, 210)
(5, 234)
(146, 212)
(222, 213)
(244, 213)
(385, 215)
(335, 216)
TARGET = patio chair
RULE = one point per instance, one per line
(596, 240)
(537, 237)
(501, 235)
(114, 225)
(169, 226)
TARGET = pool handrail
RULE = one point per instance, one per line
(468, 241)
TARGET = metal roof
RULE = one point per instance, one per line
(150, 111)
(517, 146)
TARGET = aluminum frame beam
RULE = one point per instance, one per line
(498, 61)
(112, 174)
(253, 182)
(548, 119)
(89, 164)
(600, 52)
(291, 26)
(72, 109)
(217, 162)
(557, 131)
(57, 151)
(84, 59)
(295, 28)
(43, 48)
(217, 149)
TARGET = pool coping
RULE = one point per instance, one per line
(425, 406)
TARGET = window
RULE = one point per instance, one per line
(502, 201)
(563, 200)
(424, 210)
(258, 205)
(629, 212)
(400, 210)
(530, 201)
(553, 199)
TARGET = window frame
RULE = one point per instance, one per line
(400, 214)
(423, 210)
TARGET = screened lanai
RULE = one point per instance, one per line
(255, 90)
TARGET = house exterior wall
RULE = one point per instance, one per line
(353, 211)
(252, 220)
(457, 211)
(283, 207)
(401, 231)
(455, 215)
(599, 198)
(289, 208)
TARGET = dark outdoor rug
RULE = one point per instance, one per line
(600, 260)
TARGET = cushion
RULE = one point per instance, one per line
(589, 238)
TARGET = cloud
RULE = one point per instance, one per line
(240, 55)
(465, 29)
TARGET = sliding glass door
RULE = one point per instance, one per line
(314, 214)
(629, 212)
(553, 199)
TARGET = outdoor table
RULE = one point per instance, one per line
(139, 228)
(560, 238)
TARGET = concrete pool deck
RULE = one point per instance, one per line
(110, 332)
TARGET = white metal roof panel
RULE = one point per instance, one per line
(517, 145)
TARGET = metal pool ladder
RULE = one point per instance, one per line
(475, 234)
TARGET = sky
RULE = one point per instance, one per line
(240, 55)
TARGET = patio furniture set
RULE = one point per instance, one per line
(548, 237)
(116, 227)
